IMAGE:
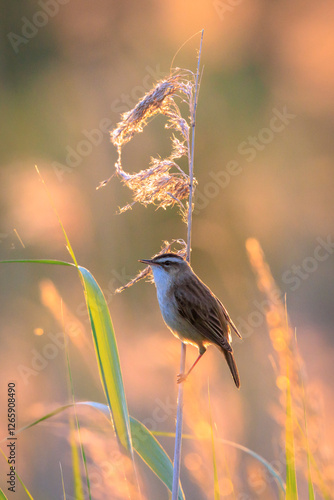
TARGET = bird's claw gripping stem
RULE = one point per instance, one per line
(181, 377)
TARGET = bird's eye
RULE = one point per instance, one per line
(167, 263)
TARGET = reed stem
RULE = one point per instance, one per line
(179, 413)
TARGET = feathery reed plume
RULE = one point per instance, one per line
(157, 100)
(156, 185)
(163, 183)
(287, 360)
(280, 331)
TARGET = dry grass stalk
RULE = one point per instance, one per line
(286, 353)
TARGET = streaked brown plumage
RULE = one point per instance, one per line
(190, 310)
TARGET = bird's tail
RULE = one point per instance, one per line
(232, 366)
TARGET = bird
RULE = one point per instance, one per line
(191, 311)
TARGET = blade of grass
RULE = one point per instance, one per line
(2, 495)
(38, 261)
(309, 480)
(68, 244)
(308, 451)
(153, 454)
(291, 479)
(62, 480)
(78, 488)
(17, 475)
(108, 359)
(322, 486)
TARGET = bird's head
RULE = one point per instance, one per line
(167, 265)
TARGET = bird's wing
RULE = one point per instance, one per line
(199, 306)
(228, 319)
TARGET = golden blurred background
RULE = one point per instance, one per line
(264, 163)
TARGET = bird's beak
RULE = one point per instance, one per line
(145, 261)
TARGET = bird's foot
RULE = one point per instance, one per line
(181, 377)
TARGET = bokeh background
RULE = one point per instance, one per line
(67, 71)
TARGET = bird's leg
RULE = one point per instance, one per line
(181, 377)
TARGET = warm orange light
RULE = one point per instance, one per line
(279, 344)
(273, 318)
(202, 429)
(282, 382)
(38, 331)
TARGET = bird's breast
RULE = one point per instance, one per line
(167, 307)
